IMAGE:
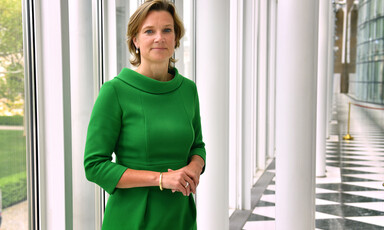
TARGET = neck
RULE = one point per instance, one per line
(155, 71)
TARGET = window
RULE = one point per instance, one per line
(124, 9)
(369, 80)
(185, 53)
(14, 133)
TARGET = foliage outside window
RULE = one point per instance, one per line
(13, 179)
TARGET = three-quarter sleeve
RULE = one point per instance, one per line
(102, 136)
(198, 146)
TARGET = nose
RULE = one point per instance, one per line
(159, 37)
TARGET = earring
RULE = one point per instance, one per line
(137, 50)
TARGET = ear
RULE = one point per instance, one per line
(136, 42)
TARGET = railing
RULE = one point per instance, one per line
(348, 136)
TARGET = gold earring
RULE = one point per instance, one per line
(137, 50)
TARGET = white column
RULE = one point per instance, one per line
(248, 101)
(235, 105)
(54, 109)
(322, 80)
(296, 114)
(331, 57)
(82, 95)
(272, 79)
(262, 85)
(212, 77)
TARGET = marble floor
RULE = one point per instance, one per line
(351, 196)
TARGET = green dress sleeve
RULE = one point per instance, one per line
(102, 136)
(198, 146)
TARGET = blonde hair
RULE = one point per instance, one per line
(138, 18)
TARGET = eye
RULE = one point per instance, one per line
(168, 30)
(148, 31)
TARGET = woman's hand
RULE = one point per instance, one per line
(193, 171)
(178, 180)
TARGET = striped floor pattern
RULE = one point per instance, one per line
(351, 196)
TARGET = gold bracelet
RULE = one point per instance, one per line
(160, 179)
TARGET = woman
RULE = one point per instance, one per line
(150, 119)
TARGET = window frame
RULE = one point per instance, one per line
(31, 114)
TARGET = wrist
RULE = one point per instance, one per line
(197, 166)
(161, 181)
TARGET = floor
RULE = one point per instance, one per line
(351, 196)
(15, 217)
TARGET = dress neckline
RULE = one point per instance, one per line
(148, 84)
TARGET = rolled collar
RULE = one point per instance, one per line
(148, 84)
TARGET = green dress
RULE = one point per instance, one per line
(149, 125)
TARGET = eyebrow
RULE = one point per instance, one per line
(149, 27)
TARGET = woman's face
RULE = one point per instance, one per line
(156, 38)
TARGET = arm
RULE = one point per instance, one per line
(197, 153)
(174, 180)
(198, 163)
(194, 169)
(177, 179)
(103, 133)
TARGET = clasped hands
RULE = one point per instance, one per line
(184, 180)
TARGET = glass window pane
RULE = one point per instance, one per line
(372, 30)
(362, 12)
(13, 175)
(379, 28)
(381, 71)
(367, 10)
(124, 9)
(186, 59)
(372, 12)
(380, 7)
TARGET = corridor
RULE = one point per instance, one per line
(351, 196)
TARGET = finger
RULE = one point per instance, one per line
(190, 173)
(193, 176)
(188, 188)
(191, 186)
(197, 181)
(182, 183)
(182, 189)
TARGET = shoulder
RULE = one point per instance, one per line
(113, 83)
(111, 89)
(188, 87)
(116, 85)
(188, 83)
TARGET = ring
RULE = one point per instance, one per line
(187, 184)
